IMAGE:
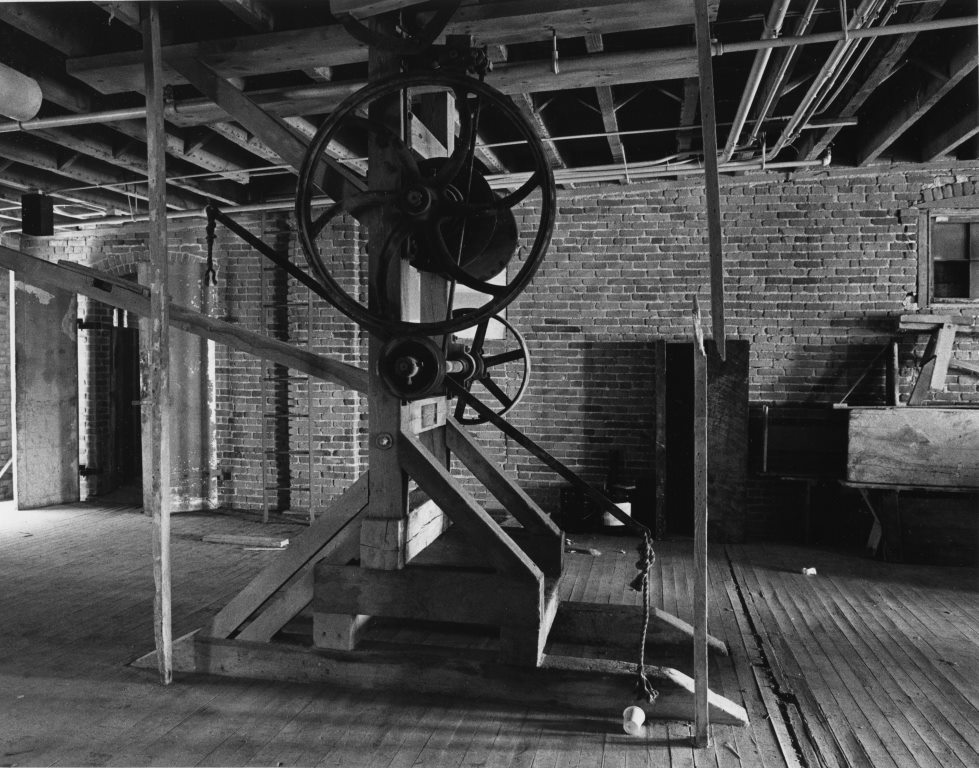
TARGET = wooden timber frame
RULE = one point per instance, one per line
(371, 555)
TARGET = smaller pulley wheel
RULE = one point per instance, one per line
(412, 368)
(472, 207)
(496, 370)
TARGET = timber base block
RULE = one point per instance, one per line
(597, 687)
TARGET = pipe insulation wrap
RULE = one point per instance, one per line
(20, 95)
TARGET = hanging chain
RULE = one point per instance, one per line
(644, 689)
(210, 274)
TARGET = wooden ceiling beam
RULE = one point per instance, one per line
(525, 103)
(922, 91)
(606, 103)
(489, 23)
(512, 79)
(688, 113)
(945, 138)
(255, 13)
(135, 162)
(87, 173)
(35, 20)
(29, 179)
(888, 55)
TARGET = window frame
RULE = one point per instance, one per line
(926, 272)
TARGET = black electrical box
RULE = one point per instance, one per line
(37, 215)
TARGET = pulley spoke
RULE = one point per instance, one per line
(495, 390)
(504, 357)
(479, 338)
(460, 411)
(520, 194)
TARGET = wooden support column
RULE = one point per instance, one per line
(155, 358)
(701, 690)
(383, 533)
(708, 121)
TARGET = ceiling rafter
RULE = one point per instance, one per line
(525, 103)
(295, 50)
(80, 171)
(31, 20)
(606, 104)
(945, 138)
(881, 64)
(688, 113)
(255, 13)
(921, 92)
(30, 179)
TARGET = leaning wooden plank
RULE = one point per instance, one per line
(272, 542)
(340, 514)
(297, 593)
(612, 626)
(91, 283)
(943, 354)
(593, 686)
(463, 509)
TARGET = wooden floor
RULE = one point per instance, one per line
(865, 664)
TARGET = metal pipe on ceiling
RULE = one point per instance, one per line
(863, 15)
(20, 95)
(202, 106)
(773, 95)
(773, 27)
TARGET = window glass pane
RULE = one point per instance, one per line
(948, 240)
(952, 279)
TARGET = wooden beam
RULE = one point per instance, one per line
(34, 181)
(88, 173)
(297, 592)
(942, 139)
(125, 12)
(107, 75)
(709, 132)
(134, 298)
(591, 686)
(272, 131)
(135, 162)
(256, 14)
(885, 55)
(943, 355)
(606, 103)
(155, 364)
(384, 536)
(618, 626)
(35, 21)
(525, 103)
(699, 491)
(920, 94)
(425, 593)
(342, 513)
(464, 510)
(688, 113)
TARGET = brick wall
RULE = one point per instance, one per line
(817, 267)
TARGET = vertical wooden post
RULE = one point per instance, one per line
(701, 720)
(155, 368)
(383, 532)
(708, 122)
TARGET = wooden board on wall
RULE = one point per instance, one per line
(917, 447)
(727, 430)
